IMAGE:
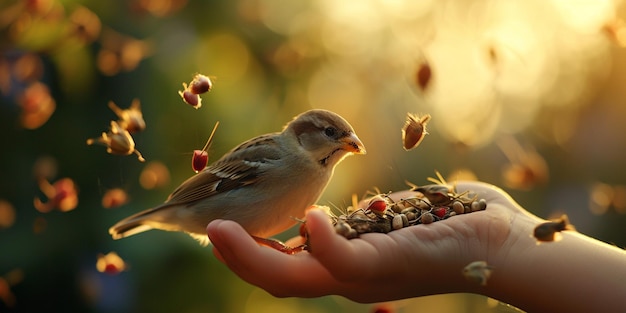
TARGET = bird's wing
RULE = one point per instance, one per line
(240, 167)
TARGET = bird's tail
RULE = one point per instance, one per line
(155, 218)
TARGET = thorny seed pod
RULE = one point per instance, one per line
(378, 205)
(477, 272)
(118, 141)
(427, 218)
(200, 84)
(414, 130)
(131, 119)
(545, 232)
(201, 157)
(190, 98)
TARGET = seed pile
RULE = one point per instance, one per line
(429, 204)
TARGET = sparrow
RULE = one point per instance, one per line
(265, 184)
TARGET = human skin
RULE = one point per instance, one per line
(574, 274)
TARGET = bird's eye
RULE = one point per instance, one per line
(330, 132)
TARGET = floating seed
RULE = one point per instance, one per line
(478, 272)
(201, 157)
(545, 232)
(200, 84)
(131, 119)
(190, 98)
(414, 130)
(118, 141)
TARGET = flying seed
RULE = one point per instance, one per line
(118, 141)
(478, 272)
(200, 84)
(200, 158)
(414, 130)
(545, 232)
(131, 119)
(190, 98)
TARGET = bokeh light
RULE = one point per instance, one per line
(527, 95)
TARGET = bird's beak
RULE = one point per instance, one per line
(353, 144)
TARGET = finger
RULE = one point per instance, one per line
(278, 273)
(347, 260)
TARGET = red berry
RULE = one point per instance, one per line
(199, 160)
(377, 205)
(440, 212)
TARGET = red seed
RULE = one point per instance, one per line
(199, 160)
(190, 98)
(200, 84)
(414, 130)
(377, 205)
(440, 212)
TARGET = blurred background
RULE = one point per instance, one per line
(527, 95)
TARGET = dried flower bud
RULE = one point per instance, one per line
(131, 119)
(118, 141)
(200, 84)
(414, 130)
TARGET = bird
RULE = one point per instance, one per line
(265, 184)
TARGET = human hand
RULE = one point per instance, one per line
(414, 261)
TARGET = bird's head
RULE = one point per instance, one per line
(326, 135)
